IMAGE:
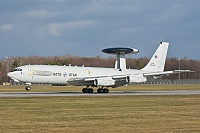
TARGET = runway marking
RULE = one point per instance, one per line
(114, 93)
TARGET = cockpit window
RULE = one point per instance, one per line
(16, 69)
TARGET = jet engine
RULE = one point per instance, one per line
(157, 77)
(136, 79)
(104, 82)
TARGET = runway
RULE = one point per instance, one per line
(112, 93)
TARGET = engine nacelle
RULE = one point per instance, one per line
(104, 82)
(136, 79)
(157, 77)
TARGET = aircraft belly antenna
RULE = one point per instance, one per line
(120, 53)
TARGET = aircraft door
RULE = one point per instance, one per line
(30, 71)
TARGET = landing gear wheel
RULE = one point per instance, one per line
(106, 90)
(102, 90)
(90, 90)
(84, 90)
(87, 90)
(99, 90)
(28, 88)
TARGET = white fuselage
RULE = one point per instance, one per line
(48, 74)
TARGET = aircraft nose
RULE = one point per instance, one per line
(9, 74)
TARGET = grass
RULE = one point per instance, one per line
(101, 114)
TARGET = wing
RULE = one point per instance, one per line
(119, 80)
(109, 81)
(112, 81)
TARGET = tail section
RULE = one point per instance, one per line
(157, 62)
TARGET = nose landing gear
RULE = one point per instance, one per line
(28, 88)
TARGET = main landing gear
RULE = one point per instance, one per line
(87, 90)
(102, 90)
(99, 90)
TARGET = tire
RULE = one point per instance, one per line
(106, 91)
(28, 88)
(99, 90)
(90, 90)
(84, 90)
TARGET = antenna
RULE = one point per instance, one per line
(120, 53)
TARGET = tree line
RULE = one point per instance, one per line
(7, 64)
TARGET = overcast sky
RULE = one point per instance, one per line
(85, 27)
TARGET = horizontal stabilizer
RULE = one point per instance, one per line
(165, 73)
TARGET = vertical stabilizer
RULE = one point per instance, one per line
(157, 62)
